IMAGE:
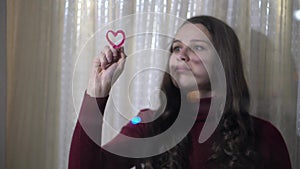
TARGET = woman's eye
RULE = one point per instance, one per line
(198, 48)
(176, 49)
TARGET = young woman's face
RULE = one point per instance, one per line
(191, 49)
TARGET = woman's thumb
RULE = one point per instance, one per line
(122, 53)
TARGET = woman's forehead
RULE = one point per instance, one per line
(192, 31)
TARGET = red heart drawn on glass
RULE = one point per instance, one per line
(115, 34)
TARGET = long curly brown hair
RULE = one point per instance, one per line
(235, 145)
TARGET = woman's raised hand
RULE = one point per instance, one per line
(106, 68)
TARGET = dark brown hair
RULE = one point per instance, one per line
(234, 147)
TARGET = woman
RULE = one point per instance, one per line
(240, 140)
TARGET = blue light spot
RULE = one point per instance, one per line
(136, 120)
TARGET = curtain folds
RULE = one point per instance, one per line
(33, 75)
(50, 46)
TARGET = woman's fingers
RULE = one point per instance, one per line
(114, 53)
(108, 56)
(96, 66)
(103, 60)
(122, 53)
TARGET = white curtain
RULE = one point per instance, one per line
(50, 46)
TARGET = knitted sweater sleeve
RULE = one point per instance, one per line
(85, 150)
(272, 146)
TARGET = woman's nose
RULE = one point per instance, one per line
(182, 55)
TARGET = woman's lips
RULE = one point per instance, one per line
(182, 69)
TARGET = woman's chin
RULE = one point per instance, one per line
(187, 87)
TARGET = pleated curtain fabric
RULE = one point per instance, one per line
(51, 44)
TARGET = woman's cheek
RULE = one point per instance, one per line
(171, 64)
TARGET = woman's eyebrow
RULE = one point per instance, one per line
(192, 40)
(176, 40)
(199, 40)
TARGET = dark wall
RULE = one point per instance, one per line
(2, 81)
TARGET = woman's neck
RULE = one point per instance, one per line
(196, 95)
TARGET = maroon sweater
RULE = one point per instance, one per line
(86, 154)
